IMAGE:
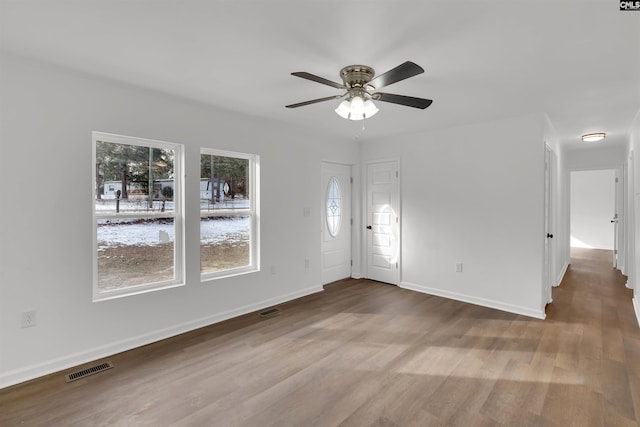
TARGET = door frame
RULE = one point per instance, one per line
(347, 221)
(616, 205)
(549, 226)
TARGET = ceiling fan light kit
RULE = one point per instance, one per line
(593, 137)
(360, 84)
(356, 108)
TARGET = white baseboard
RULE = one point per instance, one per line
(357, 275)
(510, 308)
(636, 308)
(628, 285)
(30, 372)
(561, 275)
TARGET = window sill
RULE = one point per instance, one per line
(134, 290)
(207, 277)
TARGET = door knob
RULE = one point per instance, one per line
(368, 227)
(549, 236)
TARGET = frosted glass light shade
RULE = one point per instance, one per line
(370, 108)
(593, 137)
(343, 109)
(357, 108)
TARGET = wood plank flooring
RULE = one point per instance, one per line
(368, 354)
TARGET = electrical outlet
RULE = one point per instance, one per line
(306, 263)
(458, 267)
(28, 318)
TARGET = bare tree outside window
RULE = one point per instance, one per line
(135, 211)
(227, 213)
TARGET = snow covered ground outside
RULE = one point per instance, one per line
(106, 206)
(121, 231)
(150, 233)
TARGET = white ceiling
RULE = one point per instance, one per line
(576, 60)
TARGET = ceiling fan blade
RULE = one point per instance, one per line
(409, 101)
(313, 101)
(401, 72)
(317, 79)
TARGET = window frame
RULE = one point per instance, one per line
(177, 214)
(253, 211)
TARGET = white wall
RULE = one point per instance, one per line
(475, 195)
(633, 211)
(628, 219)
(48, 114)
(597, 157)
(592, 208)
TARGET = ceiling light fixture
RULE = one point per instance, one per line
(356, 108)
(593, 137)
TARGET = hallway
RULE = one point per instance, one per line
(599, 339)
(592, 291)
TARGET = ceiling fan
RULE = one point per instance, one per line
(361, 84)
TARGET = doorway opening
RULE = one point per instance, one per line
(594, 212)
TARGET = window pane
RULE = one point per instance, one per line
(334, 207)
(224, 243)
(134, 252)
(224, 183)
(228, 241)
(133, 178)
(138, 215)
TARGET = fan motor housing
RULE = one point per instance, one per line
(355, 76)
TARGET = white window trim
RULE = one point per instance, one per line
(177, 214)
(254, 212)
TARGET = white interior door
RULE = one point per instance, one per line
(383, 222)
(616, 219)
(336, 222)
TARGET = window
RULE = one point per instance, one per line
(228, 213)
(137, 215)
(334, 207)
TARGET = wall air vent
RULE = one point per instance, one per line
(89, 371)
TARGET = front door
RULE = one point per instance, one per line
(383, 222)
(336, 222)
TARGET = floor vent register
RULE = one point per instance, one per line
(88, 371)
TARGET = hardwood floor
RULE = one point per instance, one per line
(368, 354)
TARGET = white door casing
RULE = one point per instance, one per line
(383, 222)
(336, 222)
(548, 273)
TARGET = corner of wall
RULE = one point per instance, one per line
(469, 299)
(561, 274)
